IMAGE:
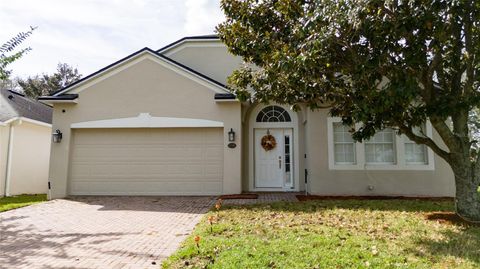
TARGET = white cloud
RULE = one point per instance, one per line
(202, 16)
(90, 34)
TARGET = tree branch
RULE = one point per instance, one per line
(456, 61)
(445, 133)
(427, 78)
(426, 141)
(468, 48)
(476, 168)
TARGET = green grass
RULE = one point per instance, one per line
(331, 234)
(9, 203)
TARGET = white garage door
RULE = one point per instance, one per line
(176, 161)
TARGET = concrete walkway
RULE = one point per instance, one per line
(265, 197)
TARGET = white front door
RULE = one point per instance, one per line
(273, 168)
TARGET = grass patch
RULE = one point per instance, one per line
(331, 234)
(9, 203)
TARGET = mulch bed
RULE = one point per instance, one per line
(302, 197)
(239, 196)
(448, 217)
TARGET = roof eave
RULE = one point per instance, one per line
(185, 39)
(225, 97)
(67, 98)
(51, 102)
(37, 122)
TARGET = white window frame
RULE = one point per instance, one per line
(394, 147)
(430, 156)
(399, 146)
(359, 150)
(343, 143)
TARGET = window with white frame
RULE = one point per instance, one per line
(380, 149)
(415, 153)
(343, 144)
(386, 150)
(273, 114)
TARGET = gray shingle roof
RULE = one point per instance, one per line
(14, 104)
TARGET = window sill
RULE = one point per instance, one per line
(380, 167)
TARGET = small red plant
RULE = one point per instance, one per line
(218, 205)
(211, 219)
(197, 242)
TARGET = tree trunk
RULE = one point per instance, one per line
(467, 194)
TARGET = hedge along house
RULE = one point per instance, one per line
(164, 123)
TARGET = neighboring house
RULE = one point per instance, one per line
(160, 123)
(25, 134)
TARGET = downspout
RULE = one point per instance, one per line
(9, 159)
(305, 146)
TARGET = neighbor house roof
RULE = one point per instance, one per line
(14, 104)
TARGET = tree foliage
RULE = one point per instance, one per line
(393, 63)
(8, 84)
(46, 84)
(9, 52)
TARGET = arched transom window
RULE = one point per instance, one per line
(273, 114)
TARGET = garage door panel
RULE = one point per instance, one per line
(213, 170)
(145, 152)
(150, 136)
(146, 188)
(214, 153)
(141, 179)
(175, 161)
(146, 170)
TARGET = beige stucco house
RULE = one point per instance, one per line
(25, 134)
(164, 123)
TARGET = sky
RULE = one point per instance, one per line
(91, 34)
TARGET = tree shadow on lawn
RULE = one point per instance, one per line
(464, 244)
(456, 239)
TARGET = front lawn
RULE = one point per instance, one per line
(332, 234)
(8, 203)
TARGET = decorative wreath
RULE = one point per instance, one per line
(268, 142)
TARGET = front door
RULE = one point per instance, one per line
(273, 166)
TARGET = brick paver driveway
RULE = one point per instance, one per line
(98, 232)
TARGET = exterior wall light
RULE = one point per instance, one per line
(231, 135)
(57, 136)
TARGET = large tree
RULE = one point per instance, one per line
(46, 84)
(9, 52)
(383, 64)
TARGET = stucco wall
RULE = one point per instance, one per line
(211, 59)
(145, 87)
(323, 181)
(313, 144)
(3, 157)
(30, 157)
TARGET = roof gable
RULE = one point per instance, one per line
(91, 79)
